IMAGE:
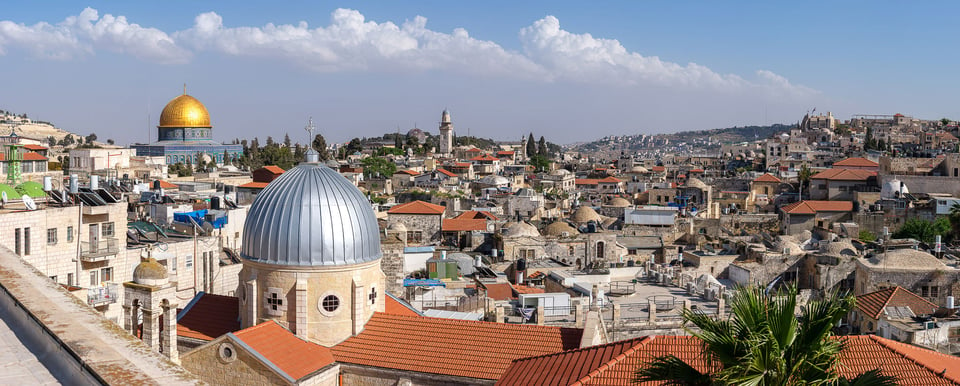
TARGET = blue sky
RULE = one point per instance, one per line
(570, 71)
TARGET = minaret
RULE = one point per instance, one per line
(446, 134)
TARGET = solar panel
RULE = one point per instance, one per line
(106, 196)
(57, 197)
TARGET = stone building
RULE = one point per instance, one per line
(422, 220)
(446, 134)
(916, 271)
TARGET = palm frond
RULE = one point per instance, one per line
(870, 378)
(672, 371)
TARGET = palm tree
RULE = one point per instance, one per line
(764, 343)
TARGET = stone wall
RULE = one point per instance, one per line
(428, 224)
(392, 264)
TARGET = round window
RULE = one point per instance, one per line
(227, 352)
(330, 303)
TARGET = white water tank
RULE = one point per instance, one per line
(94, 182)
(47, 183)
(74, 183)
(950, 302)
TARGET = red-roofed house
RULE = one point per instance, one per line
(872, 309)
(616, 363)
(857, 163)
(404, 178)
(263, 354)
(164, 184)
(206, 318)
(436, 178)
(267, 173)
(423, 220)
(30, 162)
(610, 185)
(443, 351)
(805, 215)
(840, 184)
(486, 164)
(464, 233)
(261, 177)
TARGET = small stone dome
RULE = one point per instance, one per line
(639, 169)
(892, 187)
(618, 202)
(906, 260)
(558, 228)
(839, 248)
(696, 183)
(520, 229)
(494, 180)
(585, 214)
(397, 227)
(150, 272)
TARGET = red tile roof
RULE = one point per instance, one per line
(474, 150)
(407, 172)
(611, 180)
(498, 291)
(485, 157)
(616, 363)
(696, 171)
(292, 355)
(396, 307)
(506, 152)
(462, 164)
(450, 347)
(34, 147)
(812, 207)
(418, 207)
(767, 177)
(478, 215)
(464, 224)
(844, 175)
(209, 316)
(254, 185)
(856, 162)
(658, 168)
(586, 181)
(274, 169)
(28, 156)
(446, 172)
(525, 289)
(873, 304)
(167, 185)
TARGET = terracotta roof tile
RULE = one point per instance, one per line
(485, 157)
(525, 289)
(394, 306)
(34, 147)
(615, 363)
(658, 169)
(586, 181)
(498, 291)
(407, 172)
(506, 153)
(474, 150)
(254, 185)
(167, 185)
(844, 175)
(873, 304)
(446, 172)
(856, 162)
(418, 207)
(209, 316)
(274, 169)
(464, 224)
(812, 207)
(478, 215)
(767, 177)
(611, 180)
(450, 347)
(28, 156)
(294, 356)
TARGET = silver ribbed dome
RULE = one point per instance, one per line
(311, 216)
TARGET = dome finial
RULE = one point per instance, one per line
(312, 155)
(184, 88)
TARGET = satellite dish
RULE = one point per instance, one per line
(29, 203)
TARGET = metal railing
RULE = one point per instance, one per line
(106, 294)
(100, 251)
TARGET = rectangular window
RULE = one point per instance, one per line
(93, 279)
(106, 274)
(189, 261)
(108, 229)
(17, 242)
(69, 233)
(172, 266)
(26, 241)
(70, 279)
(52, 236)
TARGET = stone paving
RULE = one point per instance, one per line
(18, 366)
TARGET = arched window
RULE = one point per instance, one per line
(600, 246)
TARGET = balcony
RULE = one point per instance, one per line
(103, 249)
(100, 296)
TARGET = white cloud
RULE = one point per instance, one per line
(87, 33)
(352, 43)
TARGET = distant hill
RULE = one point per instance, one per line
(647, 141)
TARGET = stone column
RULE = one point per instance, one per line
(252, 304)
(540, 315)
(151, 327)
(300, 308)
(616, 313)
(128, 320)
(580, 314)
(652, 312)
(498, 314)
(721, 307)
(686, 304)
(169, 337)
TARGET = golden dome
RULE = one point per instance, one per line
(184, 111)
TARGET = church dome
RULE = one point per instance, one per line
(585, 214)
(184, 111)
(311, 216)
(520, 229)
(618, 202)
(150, 272)
(559, 228)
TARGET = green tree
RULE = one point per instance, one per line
(320, 145)
(531, 146)
(51, 141)
(354, 146)
(923, 230)
(286, 141)
(92, 137)
(540, 163)
(804, 177)
(866, 236)
(373, 166)
(764, 343)
(945, 121)
(542, 147)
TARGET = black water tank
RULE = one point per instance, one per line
(215, 203)
(521, 265)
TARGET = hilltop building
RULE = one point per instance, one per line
(185, 134)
